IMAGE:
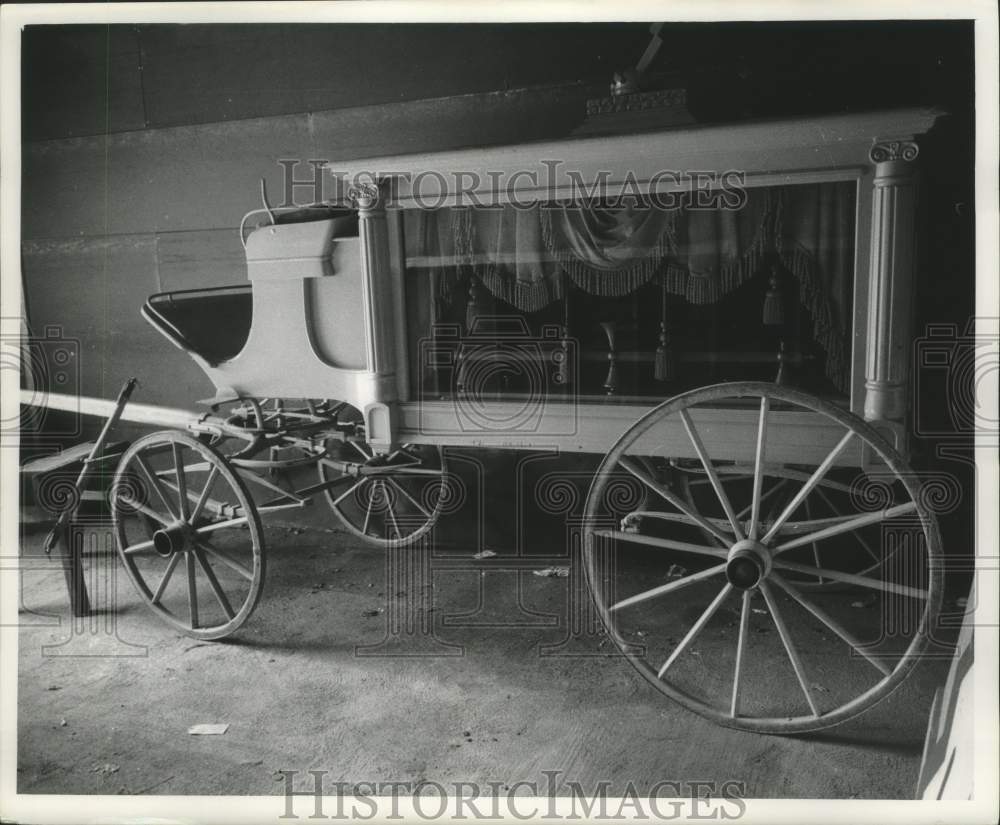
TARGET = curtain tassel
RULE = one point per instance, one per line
(774, 311)
(664, 362)
(472, 308)
(664, 365)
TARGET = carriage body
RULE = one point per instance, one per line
(332, 307)
(461, 302)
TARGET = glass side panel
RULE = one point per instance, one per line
(631, 301)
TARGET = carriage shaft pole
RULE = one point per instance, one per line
(167, 417)
(89, 461)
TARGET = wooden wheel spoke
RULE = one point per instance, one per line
(199, 505)
(741, 644)
(182, 502)
(809, 486)
(815, 545)
(148, 524)
(790, 474)
(669, 587)
(391, 510)
(713, 477)
(721, 471)
(162, 586)
(227, 560)
(796, 475)
(213, 582)
(786, 640)
(737, 472)
(696, 628)
(407, 450)
(347, 492)
(138, 548)
(409, 498)
(858, 537)
(368, 513)
(758, 468)
(848, 525)
(678, 518)
(150, 513)
(742, 514)
(661, 543)
(853, 578)
(359, 448)
(774, 508)
(831, 623)
(408, 460)
(156, 485)
(214, 505)
(192, 583)
(212, 526)
(798, 528)
(671, 498)
(867, 547)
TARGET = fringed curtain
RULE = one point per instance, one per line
(720, 250)
(505, 250)
(609, 252)
(521, 255)
(814, 238)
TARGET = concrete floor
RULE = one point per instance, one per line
(106, 709)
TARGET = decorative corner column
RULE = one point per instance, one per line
(380, 393)
(890, 280)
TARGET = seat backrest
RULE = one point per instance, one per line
(213, 323)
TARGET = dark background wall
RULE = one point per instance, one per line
(92, 80)
(143, 145)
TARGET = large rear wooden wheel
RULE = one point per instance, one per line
(709, 603)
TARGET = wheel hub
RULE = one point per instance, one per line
(748, 562)
(171, 539)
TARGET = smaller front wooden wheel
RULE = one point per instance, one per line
(188, 534)
(391, 500)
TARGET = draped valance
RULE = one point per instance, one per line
(526, 256)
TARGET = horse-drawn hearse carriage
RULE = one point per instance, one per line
(736, 348)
